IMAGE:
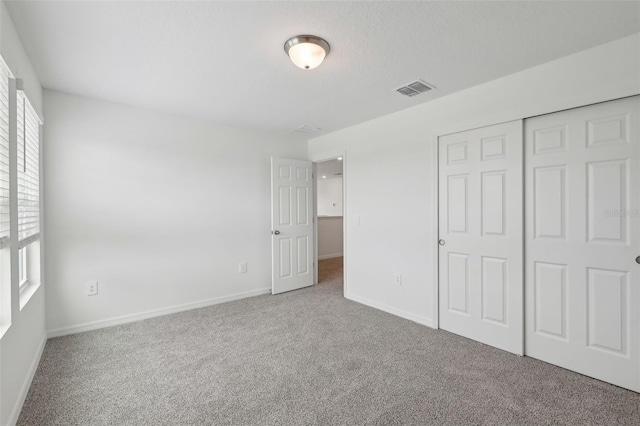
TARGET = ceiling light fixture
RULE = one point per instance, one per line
(306, 51)
(339, 158)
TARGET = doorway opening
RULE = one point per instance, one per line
(330, 222)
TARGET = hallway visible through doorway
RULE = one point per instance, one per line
(329, 221)
(330, 270)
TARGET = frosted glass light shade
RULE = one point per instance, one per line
(306, 52)
(306, 55)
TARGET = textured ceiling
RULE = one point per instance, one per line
(224, 61)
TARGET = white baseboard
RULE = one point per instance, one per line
(329, 256)
(24, 390)
(94, 325)
(391, 310)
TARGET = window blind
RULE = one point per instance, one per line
(28, 172)
(5, 74)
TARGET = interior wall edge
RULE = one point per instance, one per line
(24, 340)
(24, 390)
(391, 310)
(18, 60)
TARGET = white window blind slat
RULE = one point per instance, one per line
(5, 74)
(28, 170)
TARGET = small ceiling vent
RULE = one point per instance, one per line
(415, 88)
(308, 129)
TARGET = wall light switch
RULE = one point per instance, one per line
(399, 279)
(91, 288)
(242, 267)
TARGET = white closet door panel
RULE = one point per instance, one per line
(582, 239)
(480, 278)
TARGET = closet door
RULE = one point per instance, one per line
(582, 240)
(481, 235)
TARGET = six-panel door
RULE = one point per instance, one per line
(292, 225)
(481, 229)
(582, 239)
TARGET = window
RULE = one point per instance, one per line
(22, 267)
(21, 154)
(5, 74)
(28, 195)
(5, 253)
(28, 172)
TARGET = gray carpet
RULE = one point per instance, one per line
(306, 357)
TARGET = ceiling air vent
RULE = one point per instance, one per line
(415, 88)
(308, 129)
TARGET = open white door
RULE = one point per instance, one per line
(481, 226)
(291, 224)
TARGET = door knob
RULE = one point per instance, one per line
(441, 242)
(276, 232)
(638, 259)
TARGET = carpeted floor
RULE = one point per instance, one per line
(306, 357)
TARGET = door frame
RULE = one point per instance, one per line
(314, 162)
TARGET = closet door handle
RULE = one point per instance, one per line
(441, 242)
(638, 259)
(276, 232)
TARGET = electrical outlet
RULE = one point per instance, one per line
(399, 279)
(91, 288)
(242, 267)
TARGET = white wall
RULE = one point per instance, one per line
(16, 57)
(330, 237)
(390, 172)
(22, 343)
(158, 209)
(330, 197)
